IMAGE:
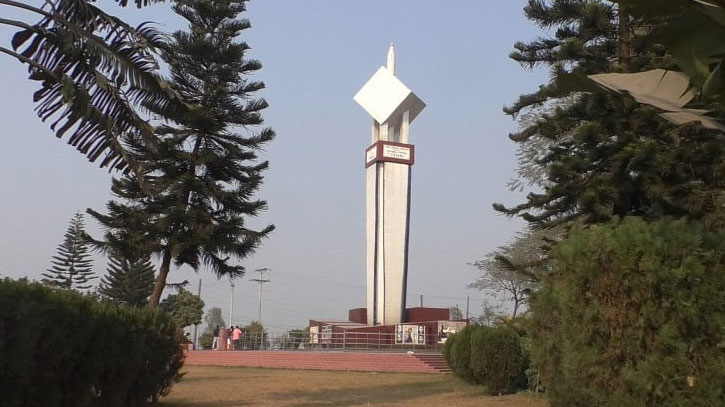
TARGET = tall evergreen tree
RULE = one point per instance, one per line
(71, 267)
(129, 281)
(603, 155)
(205, 170)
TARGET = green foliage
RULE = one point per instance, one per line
(531, 373)
(490, 315)
(213, 319)
(129, 281)
(296, 337)
(94, 71)
(184, 308)
(603, 156)
(206, 340)
(254, 335)
(446, 350)
(71, 267)
(497, 359)
(59, 348)
(204, 169)
(693, 34)
(455, 313)
(459, 353)
(490, 356)
(510, 272)
(631, 311)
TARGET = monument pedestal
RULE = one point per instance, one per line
(425, 328)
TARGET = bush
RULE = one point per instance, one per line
(59, 348)
(497, 359)
(254, 336)
(490, 356)
(460, 353)
(206, 340)
(447, 345)
(295, 338)
(633, 315)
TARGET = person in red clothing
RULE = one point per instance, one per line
(236, 338)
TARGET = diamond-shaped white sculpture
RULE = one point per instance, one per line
(384, 97)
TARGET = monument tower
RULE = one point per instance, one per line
(388, 163)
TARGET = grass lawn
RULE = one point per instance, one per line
(206, 386)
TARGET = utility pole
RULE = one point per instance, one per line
(261, 281)
(231, 302)
(468, 303)
(196, 326)
(421, 300)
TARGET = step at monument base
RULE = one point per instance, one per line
(348, 361)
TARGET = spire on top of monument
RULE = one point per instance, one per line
(391, 58)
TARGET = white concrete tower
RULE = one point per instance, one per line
(388, 160)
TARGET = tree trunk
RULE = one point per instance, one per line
(166, 262)
(160, 280)
(625, 52)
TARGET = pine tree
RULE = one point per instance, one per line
(129, 281)
(205, 170)
(71, 267)
(603, 155)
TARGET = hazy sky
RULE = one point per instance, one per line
(316, 55)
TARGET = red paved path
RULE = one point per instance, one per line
(357, 361)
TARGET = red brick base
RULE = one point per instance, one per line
(353, 361)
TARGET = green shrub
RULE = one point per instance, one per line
(497, 359)
(492, 357)
(206, 340)
(633, 315)
(59, 348)
(447, 349)
(460, 352)
(296, 338)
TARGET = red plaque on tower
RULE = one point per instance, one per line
(388, 151)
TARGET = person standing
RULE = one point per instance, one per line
(215, 341)
(236, 336)
(222, 345)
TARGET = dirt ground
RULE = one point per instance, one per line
(206, 386)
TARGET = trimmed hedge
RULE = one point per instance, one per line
(497, 360)
(633, 315)
(461, 354)
(60, 348)
(490, 356)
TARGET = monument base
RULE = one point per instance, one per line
(424, 328)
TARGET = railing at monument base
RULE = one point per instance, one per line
(341, 341)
